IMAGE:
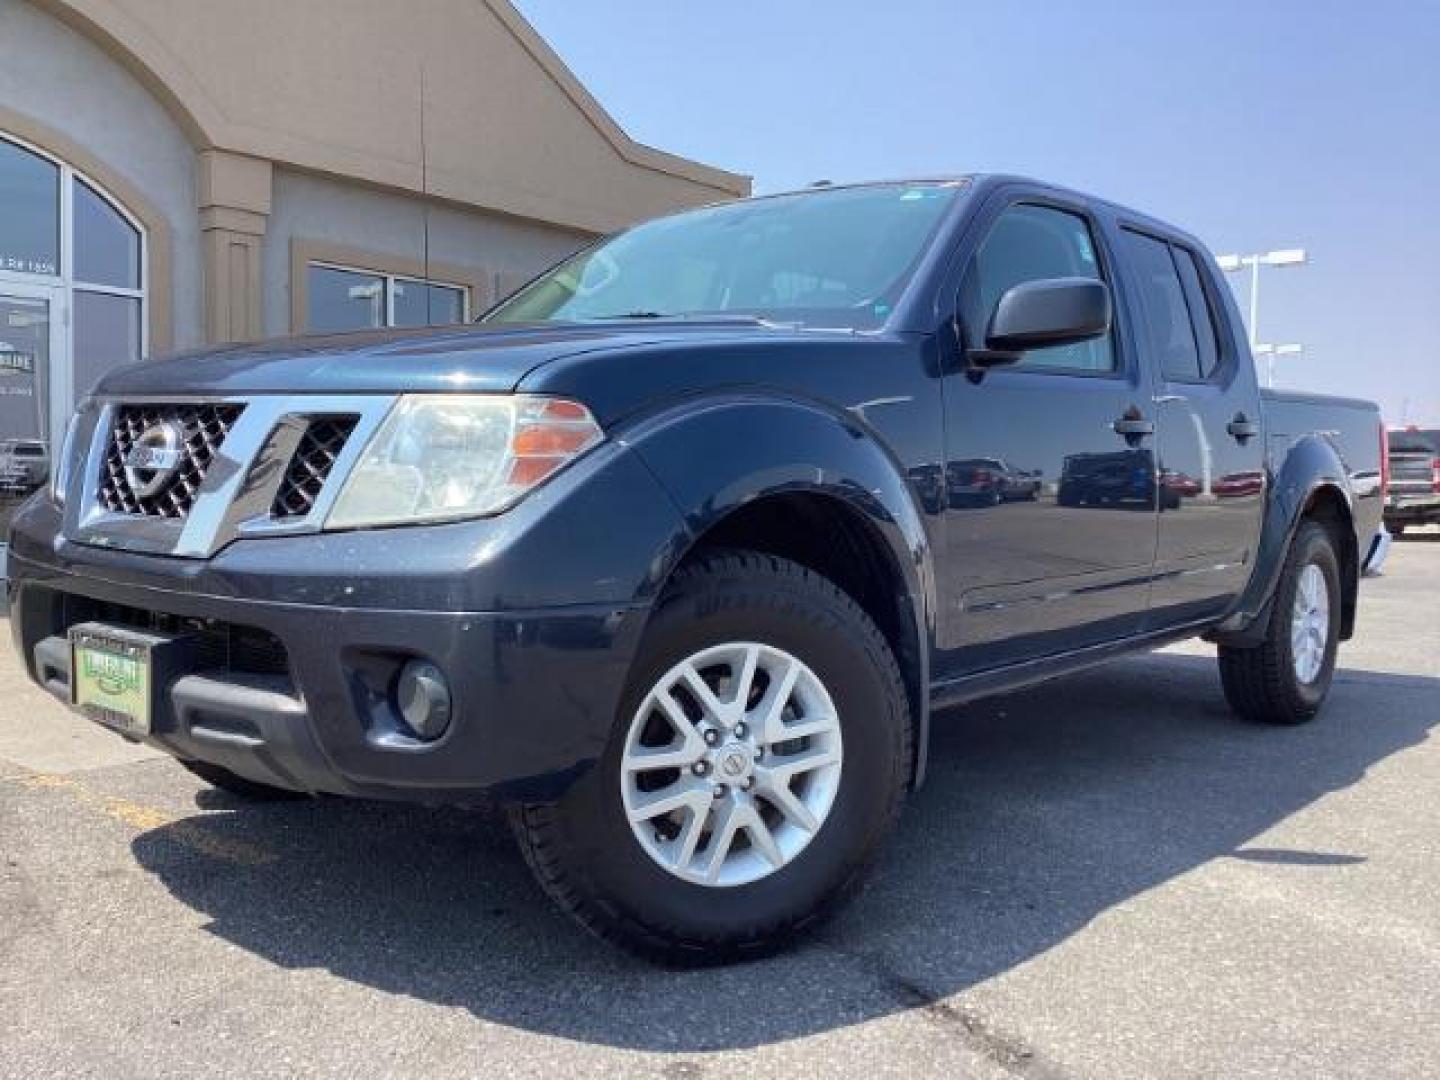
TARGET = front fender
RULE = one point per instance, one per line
(715, 456)
(1310, 465)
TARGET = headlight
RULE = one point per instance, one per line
(60, 463)
(440, 457)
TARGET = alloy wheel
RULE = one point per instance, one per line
(1310, 623)
(731, 764)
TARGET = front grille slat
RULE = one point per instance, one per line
(203, 427)
(310, 466)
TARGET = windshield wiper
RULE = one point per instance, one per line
(699, 316)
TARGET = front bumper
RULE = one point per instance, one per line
(533, 691)
(534, 617)
(1419, 509)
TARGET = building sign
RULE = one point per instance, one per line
(28, 266)
(15, 362)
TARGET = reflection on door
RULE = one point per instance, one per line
(24, 402)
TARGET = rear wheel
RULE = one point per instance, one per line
(759, 757)
(1285, 679)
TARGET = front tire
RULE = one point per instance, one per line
(760, 756)
(1285, 679)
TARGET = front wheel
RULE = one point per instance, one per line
(759, 757)
(1285, 679)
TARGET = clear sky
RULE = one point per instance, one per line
(1254, 124)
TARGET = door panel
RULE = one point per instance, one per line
(1050, 513)
(1212, 497)
(1211, 480)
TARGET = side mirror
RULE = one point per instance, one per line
(1034, 314)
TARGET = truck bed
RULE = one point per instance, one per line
(1351, 425)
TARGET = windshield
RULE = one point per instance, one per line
(830, 257)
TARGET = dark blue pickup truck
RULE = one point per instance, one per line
(677, 551)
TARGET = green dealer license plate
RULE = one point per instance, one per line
(110, 674)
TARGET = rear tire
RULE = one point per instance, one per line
(1285, 679)
(641, 880)
(239, 786)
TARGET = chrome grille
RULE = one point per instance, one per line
(311, 464)
(203, 474)
(204, 427)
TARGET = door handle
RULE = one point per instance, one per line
(1134, 427)
(1242, 428)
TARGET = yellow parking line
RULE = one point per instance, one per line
(188, 832)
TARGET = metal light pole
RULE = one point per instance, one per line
(1281, 257)
(1272, 351)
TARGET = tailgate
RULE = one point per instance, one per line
(1413, 474)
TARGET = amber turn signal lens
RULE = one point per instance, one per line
(547, 438)
(551, 438)
(527, 472)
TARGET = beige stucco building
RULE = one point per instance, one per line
(180, 172)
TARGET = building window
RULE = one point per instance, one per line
(73, 254)
(345, 298)
(30, 224)
(72, 305)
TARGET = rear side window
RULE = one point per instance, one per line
(1031, 243)
(1167, 337)
(1202, 314)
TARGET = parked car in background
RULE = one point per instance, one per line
(1110, 478)
(988, 481)
(1238, 485)
(657, 555)
(24, 465)
(1414, 497)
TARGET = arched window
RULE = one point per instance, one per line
(59, 231)
(72, 304)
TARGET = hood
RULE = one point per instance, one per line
(474, 358)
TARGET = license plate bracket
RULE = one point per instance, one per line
(113, 675)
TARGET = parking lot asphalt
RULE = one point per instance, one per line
(1105, 876)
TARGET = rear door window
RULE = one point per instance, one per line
(1166, 333)
(1202, 312)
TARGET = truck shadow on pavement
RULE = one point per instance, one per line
(1042, 811)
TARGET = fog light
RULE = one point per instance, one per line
(423, 698)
